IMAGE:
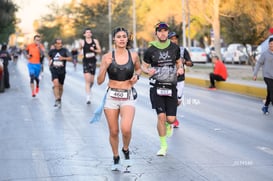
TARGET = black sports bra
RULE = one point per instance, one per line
(121, 72)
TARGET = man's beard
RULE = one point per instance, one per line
(162, 40)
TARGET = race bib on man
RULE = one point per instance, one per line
(119, 94)
(58, 63)
(90, 55)
(164, 91)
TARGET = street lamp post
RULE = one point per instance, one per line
(134, 25)
(110, 24)
(189, 24)
(183, 23)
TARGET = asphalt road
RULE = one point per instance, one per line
(222, 136)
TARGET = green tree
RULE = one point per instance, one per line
(7, 19)
(92, 16)
(57, 24)
(235, 29)
(50, 33)
(204, 16)
(95, 16)
(239, 25)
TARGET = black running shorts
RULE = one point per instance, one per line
(58, 73)
(164, 104)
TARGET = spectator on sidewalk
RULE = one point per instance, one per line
(266, 62)
(219, 73)
(6, 58)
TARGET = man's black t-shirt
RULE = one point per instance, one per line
(54, 54)
(164, 61)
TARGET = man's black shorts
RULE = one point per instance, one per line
(58, 73)
(89, 67)
(164, 104)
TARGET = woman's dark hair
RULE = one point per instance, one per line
(118, 29)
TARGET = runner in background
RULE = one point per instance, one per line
(34, 51)
(266, 62)
(57, 62)
(186, 60)
(91, 48)
(75, 53)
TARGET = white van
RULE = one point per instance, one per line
(236, 53)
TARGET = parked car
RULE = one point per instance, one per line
(211, 51)
(2, 85)
(223, 51)
(236, 53)
(198, 55)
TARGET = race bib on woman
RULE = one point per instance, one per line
(119, 93)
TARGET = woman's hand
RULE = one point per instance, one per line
(180, 71)
(134, 79)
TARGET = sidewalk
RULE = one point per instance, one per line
(239, 80)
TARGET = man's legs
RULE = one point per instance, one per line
(58, 91)
(161, 129)
(212, 80)
(213, 77)
(89, 80)
(32, 68)
(162, 126)
(269, 96)
(32, 79)
(180, 88)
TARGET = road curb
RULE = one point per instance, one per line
(250, 90)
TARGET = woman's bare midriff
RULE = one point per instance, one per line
(120, 84)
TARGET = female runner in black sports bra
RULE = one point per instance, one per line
(123, 69)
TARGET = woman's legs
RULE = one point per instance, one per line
(112, 116)
(127, 114)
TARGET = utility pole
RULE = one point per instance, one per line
(110, 24)
(189, 23)
(134, 25)
(183, 24)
